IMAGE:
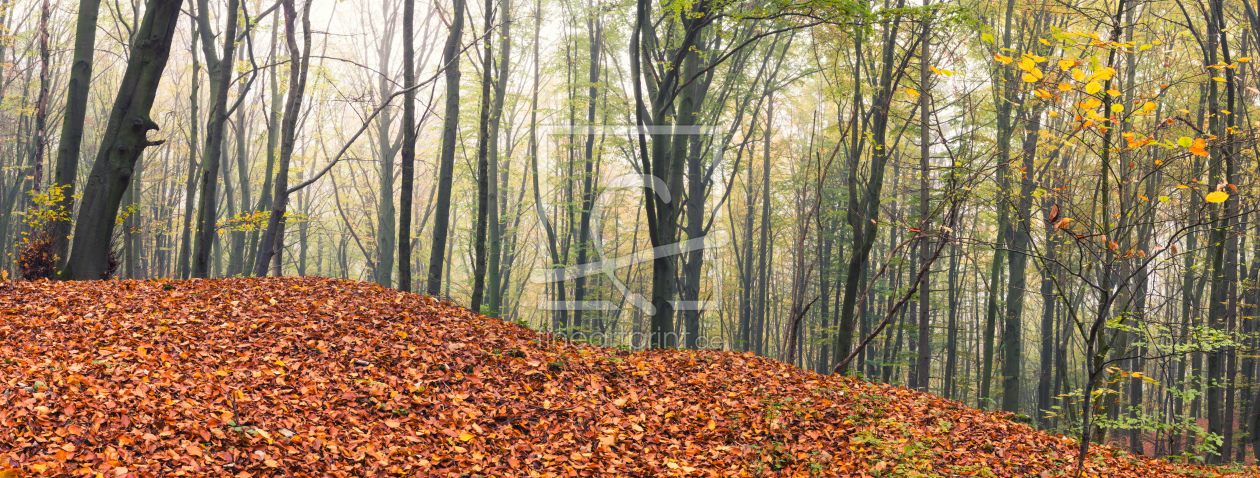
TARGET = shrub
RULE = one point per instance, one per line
(39, 259)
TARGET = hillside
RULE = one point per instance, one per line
(320, 377)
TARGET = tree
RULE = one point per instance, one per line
(272, 240)
(408, 160)
(125, 139)
(220, 70)
(446, 162)
(72, 124)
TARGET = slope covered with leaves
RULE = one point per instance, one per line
(319, 377)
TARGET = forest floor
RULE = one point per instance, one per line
(311, 376)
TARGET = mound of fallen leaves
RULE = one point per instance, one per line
(319, 377)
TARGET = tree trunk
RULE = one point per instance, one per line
(763, 277)
(495, 232)
(273, 139)
(865, 225)
(272, 241)
(408, 158)
(72, 124)
(385, 231)
(595, 29)
(220, 70)
(446, 162)
(921, 376)
(123, 141)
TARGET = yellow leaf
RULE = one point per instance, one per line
(908, 90)
(465, 436)
(1093, 87)
(1103, 74)
(1078, 75)
(1029, 78)
(1149, 106)
(1199, 148)
(1066, 64)
(1002, 58)
(11, 472)
(1065, 87)
(1218, 196)
(1113, 92)
(1117, 108)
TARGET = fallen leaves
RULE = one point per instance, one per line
(319, 377)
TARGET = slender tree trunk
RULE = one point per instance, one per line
(446, 163)
(41, 102)
(72, 124)
(1048, 306)
(1012, 333)
(220, 70)
(951, 329)
(238, 265)
(483, 166)
(495, 232)
(272, 241)
(865, 226)
(595, 29)
(385, 230)
(921, 376)
(763, 276)
(273, 139)
(408, 147)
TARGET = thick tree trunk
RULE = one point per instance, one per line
(123, 142)
(1013, 325)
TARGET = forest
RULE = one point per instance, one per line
(1041, 207)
